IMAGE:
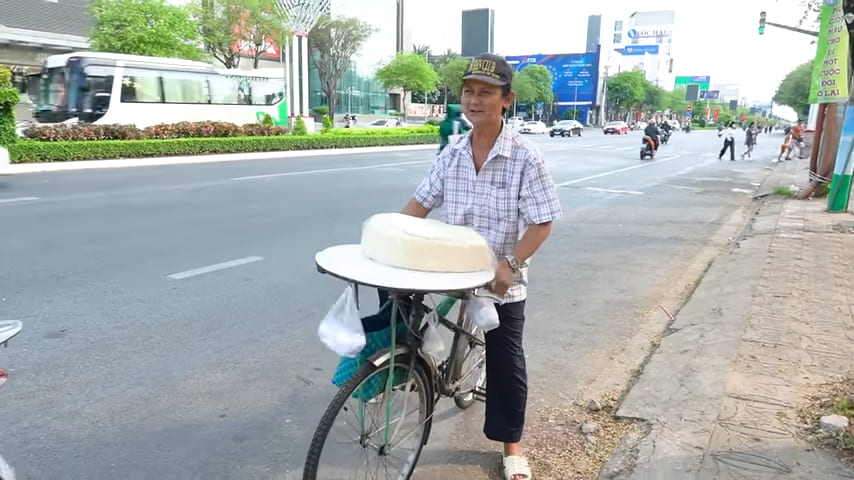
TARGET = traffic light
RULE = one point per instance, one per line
(761, 23)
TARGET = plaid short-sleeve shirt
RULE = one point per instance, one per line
(513, 189)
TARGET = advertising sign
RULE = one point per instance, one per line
(710, 94)
(830, 69)
(640, 49)
(575, 78)
(654, 32)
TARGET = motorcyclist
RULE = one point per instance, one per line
(653, 132)
(453, 124)
(666, 128)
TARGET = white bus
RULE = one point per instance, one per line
(109, 88)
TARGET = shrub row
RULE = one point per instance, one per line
(32, 151)
(90, 132)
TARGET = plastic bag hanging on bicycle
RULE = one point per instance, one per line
(341, 330)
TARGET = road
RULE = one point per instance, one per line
(140, 360)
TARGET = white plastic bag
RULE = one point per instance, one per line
(433, 344)
(483, 313)
(341, 329)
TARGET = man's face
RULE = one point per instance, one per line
(482, 102)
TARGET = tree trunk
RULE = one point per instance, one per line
(446, 97)
(333, 100)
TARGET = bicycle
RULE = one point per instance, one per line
(412, 371)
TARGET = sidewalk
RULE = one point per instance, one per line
(769, 322)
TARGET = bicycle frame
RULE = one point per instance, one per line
(440, 374)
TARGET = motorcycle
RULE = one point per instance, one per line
(665, 136)
(647, 148)
(8, 329)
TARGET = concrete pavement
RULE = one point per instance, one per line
(769, 324)
(125, 371)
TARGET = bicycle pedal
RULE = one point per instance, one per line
(479, 394)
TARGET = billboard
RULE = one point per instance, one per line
(701, 81)
(575, 78)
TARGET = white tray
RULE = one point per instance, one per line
(349, 263)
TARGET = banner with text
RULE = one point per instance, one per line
(830, 70)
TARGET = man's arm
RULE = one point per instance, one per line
(415, 209)
(531, 241)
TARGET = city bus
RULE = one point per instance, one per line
(109, 88)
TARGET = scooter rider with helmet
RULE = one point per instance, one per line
(653, 132)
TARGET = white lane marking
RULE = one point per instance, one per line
(741, 190)
(329, 170)
(614, 172)
(682, 187)
(609, 190)
(623, 149)
(213, 268)
(18, 199)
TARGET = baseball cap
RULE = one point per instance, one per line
(490, 68)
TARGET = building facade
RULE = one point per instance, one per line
(478, 32)
(359, 91)
(640, 41)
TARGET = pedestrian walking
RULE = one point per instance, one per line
(729, 141)
(750, 137)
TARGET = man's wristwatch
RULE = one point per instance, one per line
(514, 263)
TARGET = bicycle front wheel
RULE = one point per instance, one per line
(366, 433)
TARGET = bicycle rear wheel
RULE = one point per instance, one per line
(359, 420)
(470, 366)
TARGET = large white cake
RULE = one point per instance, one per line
(423, 244)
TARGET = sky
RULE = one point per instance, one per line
(725, 42)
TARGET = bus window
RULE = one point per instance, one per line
(185, 87)
(53, 88)
(267, 91)
(96, 91)
(224, 89)
(141, 86)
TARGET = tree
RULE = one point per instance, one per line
(654, 97)
(144, 27)
(626, 90)
(8, 100)
(451, 75)
(217, 21)
(541, 79)
(409, 72)
(335, 41)
(794, 90)
(261, 24)
(675, 101)
(526, 91)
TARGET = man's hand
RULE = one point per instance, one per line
(503, 278)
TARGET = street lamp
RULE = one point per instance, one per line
(762, 23)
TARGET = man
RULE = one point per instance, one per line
(652, 132)
(496, 182)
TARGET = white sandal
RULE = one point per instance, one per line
(516, 465)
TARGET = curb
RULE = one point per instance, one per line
(21, 168)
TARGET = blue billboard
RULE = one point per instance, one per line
(640, 49)
(575, 78)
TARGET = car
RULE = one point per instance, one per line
(619, 128)
(567, 128)
(534, 127)
(386, 123)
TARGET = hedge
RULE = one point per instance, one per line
(33, 151)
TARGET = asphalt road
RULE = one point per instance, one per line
(133, 364)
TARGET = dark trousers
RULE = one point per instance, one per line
(506, 376)
(730, 144)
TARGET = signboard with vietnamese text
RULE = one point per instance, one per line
(830, 69)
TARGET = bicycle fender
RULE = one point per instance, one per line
(384, 355)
